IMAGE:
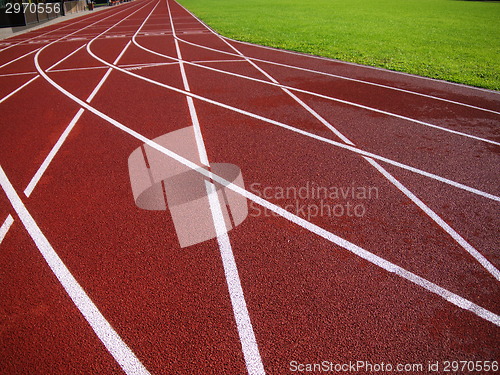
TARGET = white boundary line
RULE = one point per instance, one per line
(19, 58)
(39, 173)
(18, 89)
(5, 227)
(17, 74)
(65, 58)
(250, 348)
(302, 132)
(451, 297)
(106, 333)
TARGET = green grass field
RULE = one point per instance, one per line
(453, 40)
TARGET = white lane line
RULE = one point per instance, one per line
(99, 85)
(244, 326)
(106, 333)
(285, 87)
(359, 66)
(39, 173)
(78, 69)
(17, 74)
(370, 257)
(5, 227)
(251, 354)
(218, 61)
(18, 89)
(305, 133)
(427, 210)
(148, 65)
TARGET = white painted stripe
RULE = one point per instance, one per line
(39, 173)
(218, 61)
(78, 69)
(202, 151)
(149, 65)
(305, 133)
(5, 227)
(99, 85)
(106, 333)
(372, 258)
(248, 341)
(371, 109)
(18, 89)
(192, 110)
(17, 74)
(122, 52)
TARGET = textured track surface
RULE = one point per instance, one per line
(373, 196)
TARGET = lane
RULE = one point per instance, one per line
(42, 331)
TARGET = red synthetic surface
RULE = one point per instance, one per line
(309, 299)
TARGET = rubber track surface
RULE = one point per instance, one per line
(396, 265)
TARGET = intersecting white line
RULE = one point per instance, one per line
(5, 227)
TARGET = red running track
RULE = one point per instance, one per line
(372, 226)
